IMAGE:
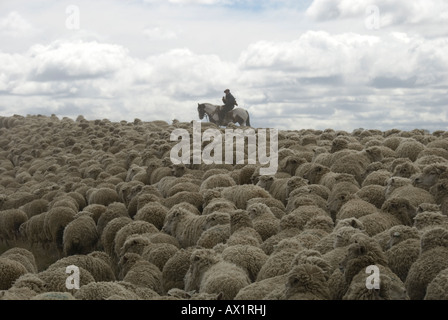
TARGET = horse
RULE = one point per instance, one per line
(237, 115)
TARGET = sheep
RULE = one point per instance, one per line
(355, 208)
(279, 262)
(138, 271)
(80, 236)
(10, 221)
(440, 192)
(433, 258)
(363, 252)
(56, 219)
(409, 148)
(214, 236)
(396, 211)
(429, 207)
(241, 194)
(437, 288)
(17, 199)
(305, 196)
(280, 188)
(406, 170)
(193, 198)
(307, 282)
(356, 163)
(182, 186)
(154, 213)
(218, 204)
(135, 243)
(403, 251)
(161, 237)
(108, 235)
(426, 220)
(260, 289)
(378, 177)
(187, 227)
(30, 281)
(175, 269)
(10, 270)
(55, 278)
(248, 257)
(242, 231)
(340, 241)
(97, 267)
(264, 221)
(159, 253)
(135, 227)
(114, 210)
(95, 211)
(216, 181)
(389, 289)
(209, 273)
(23, 256)
(276, 206)
(274, 288)
(35, 207)
(104, 196)
(337, 199)
(430, 175)
(373, 194)
(105, 290)
(32, 231)
(415, 195)
(167, 184)
(394, 183)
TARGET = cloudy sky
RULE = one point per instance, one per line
(341, 64)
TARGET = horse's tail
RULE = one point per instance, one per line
(248, 119)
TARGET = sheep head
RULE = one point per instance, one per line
(436, 237)
(265, 182)
(400, 208)
(305, 279)
(362, 253)
(239, 219)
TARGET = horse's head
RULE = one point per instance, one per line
(201, 111)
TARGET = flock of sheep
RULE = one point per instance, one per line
(104, 196)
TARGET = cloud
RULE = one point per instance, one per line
(391, 12)
(14, 25)
(157, 61)
(159, 33)
(63, 60)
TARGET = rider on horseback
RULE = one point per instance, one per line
(229, 103)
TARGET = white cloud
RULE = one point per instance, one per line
(159, 33)
(391, 12)
(14, 25)
(62, 60)
(160, 60)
